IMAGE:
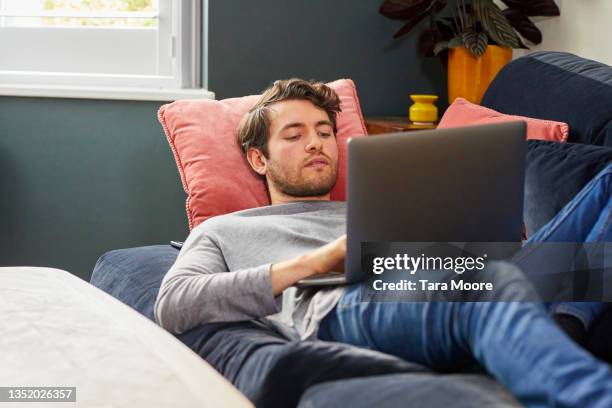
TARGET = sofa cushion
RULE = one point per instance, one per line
(557, 86)
(391, 391)
(212, 167)
(465, 113)
(554, 174)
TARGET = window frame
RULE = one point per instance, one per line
(185, 25)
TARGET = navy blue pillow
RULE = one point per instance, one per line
(554, 174)
(557, 86)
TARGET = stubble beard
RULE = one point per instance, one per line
(295, 185)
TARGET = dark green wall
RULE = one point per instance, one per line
(252, 43)
(80, 177)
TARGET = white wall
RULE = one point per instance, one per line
(584, 28)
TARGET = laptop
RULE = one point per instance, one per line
(449, 185)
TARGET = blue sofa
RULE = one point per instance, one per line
(275, 372)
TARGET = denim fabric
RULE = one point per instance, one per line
(587, 218)
(515, 341)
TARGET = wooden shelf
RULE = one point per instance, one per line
(392, 124)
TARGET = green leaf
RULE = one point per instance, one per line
(455, 42)
(534, 8)
(411, 11)
(444, 45)
(475, 42)
(404, 9)
(439, 47)
(495, 24)
(523, 25)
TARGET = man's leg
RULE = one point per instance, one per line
(586, 218)
(516, 342)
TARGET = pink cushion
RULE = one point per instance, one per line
(213, 170)
(463, 113)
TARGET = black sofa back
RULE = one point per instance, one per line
(557, 86)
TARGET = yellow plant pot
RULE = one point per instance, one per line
(423, 110)
(468, 76)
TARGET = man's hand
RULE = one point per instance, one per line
(328, 258)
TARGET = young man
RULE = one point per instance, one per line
(242, 266)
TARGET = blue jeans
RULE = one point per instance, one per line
(577, 222)
(515, 341)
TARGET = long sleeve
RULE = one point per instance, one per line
(199, 289)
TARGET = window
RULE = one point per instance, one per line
(102, 43)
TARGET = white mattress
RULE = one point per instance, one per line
(58, 330)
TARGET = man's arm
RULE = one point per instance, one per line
(199, 289)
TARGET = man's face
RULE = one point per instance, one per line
(302, 150)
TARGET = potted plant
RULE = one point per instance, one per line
(475, 37)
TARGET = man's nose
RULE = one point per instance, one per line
(314, 143)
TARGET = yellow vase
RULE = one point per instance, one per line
(468, 76)
(423, 111)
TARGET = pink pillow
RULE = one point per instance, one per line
(464, 113)
(214, 173)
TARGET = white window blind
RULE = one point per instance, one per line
(106, 43)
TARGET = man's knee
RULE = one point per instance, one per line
(499, 281)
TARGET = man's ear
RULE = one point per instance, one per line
(257, 161)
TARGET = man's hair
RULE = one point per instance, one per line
(254, 129)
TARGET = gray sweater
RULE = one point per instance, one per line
(222, 273)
